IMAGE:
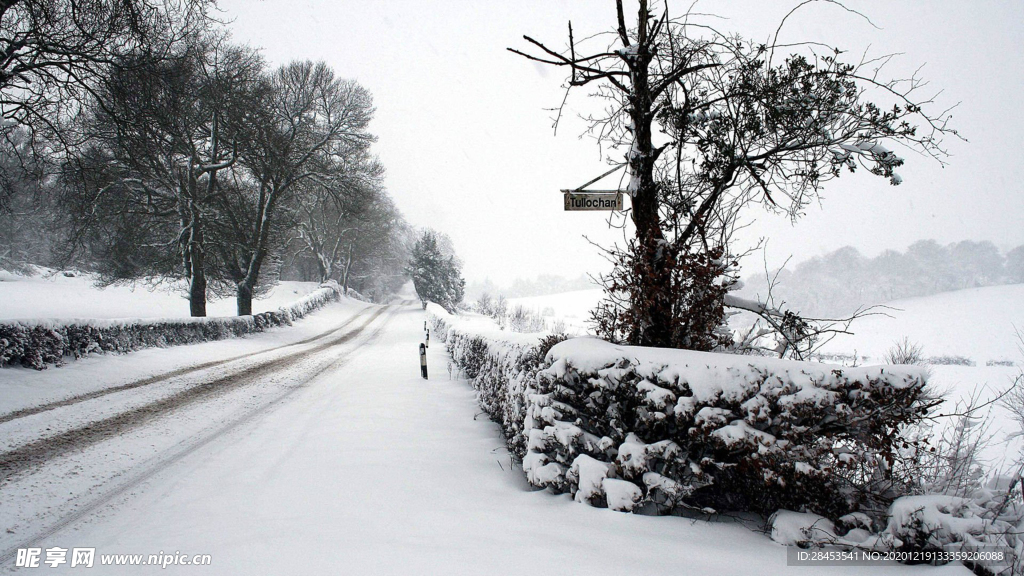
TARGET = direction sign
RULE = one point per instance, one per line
(592, 200)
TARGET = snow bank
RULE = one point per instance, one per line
(801, 529)
(983, 530)
(48, 293)
(38, 343)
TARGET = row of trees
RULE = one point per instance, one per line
(840, 282)
(206, 165)
(184, 156)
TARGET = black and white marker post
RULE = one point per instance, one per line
(423, 361)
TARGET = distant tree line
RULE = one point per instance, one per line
(148, 146)
(843, 280)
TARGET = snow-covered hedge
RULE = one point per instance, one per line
(38, 343)
(990, 524)
(628, 427)
(985, 529)
(714, 430)
(631, 428)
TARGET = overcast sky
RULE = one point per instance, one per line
(469, 148)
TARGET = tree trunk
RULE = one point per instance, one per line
(348, 267)
(653, 298)
(195, 262)
(243, 299)
(324, 266)
(197, 293)
(260, 237)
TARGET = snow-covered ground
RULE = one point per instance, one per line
(346, 462)
(978, 324)
(53, 295)
(572, 308)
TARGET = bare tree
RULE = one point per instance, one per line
(25, 204)
(52, 52)
(331, 218)
(380, 248)
(161, 136)
(713, 124)
(309, 122)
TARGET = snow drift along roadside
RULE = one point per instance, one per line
(38, 343)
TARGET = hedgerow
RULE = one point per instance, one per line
(38, 344)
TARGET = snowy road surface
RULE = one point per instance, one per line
(316, 450)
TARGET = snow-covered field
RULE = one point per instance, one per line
(53, 295)
(346, 463)
(978, 324)
(573, 308)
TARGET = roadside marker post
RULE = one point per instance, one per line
(423, 361)
(428, 338)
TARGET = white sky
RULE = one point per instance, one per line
(468, 145)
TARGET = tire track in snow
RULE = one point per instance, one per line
(34, 453)
(189, 447)
(167, 375)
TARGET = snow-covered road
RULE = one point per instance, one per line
(329, 456)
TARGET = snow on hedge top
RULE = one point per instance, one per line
(712, 374)
(473, 324)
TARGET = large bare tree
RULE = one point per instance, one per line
(53, 53)
(309, 123)
(333, 214)
(161, 134)
(712, 124)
